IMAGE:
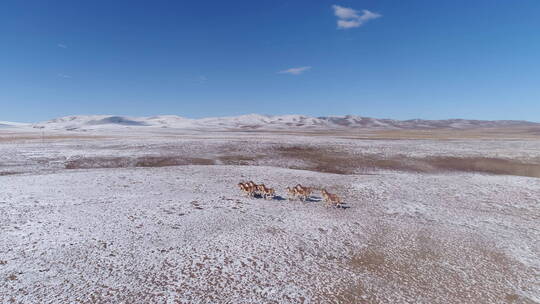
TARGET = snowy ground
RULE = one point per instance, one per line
(105, 218)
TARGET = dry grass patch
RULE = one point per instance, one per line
(322, 159)
(334, 161)
(14, 137)
(165, 161)
(98, 162)
(126, 162)
(239, 160)
(433, 266)
(318, 159)
(532, 133)
(6, 173)
(486, 165)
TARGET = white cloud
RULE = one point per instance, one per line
(202, 79)
(350, 18)
(64, 76)
(347, 24)
(61, 45)
(295, 71)
(367, 15)
(344, 12)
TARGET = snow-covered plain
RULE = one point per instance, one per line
(156, 217)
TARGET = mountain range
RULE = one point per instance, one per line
(259, 122)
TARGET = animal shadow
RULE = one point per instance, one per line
(343, 206)
(313, 199)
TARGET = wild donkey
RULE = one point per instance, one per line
(331, 199)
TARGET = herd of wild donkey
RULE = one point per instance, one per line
(251, 189)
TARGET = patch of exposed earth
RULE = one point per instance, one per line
(319, 153)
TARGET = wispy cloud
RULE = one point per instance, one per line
(63, 76)
(344, 12)
(61, 45)
(351, 18)
(295, 71)
(202, 79)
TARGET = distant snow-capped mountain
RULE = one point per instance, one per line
(9, 124)
(265, 122)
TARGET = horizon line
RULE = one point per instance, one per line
(269, 115)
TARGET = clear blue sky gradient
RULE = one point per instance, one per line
(422, 59)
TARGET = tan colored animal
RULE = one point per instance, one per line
(243, 187)
(247, 188)
(254, 188)
(291, 193)
(303, 192)
(265, 191)
(331, 199)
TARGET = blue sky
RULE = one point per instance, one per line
(385, 58)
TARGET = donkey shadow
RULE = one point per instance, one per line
(313, 199)
(274, 198)
(310, 199)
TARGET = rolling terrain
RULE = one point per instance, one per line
(266, 122)
(101, 209)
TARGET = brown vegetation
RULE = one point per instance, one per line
(318, 159)
(339, 162)
(434, 260)
(5, 173)
(17, 136)
(164, 161)
(238, 160)
(323, 159)
(125, 162)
